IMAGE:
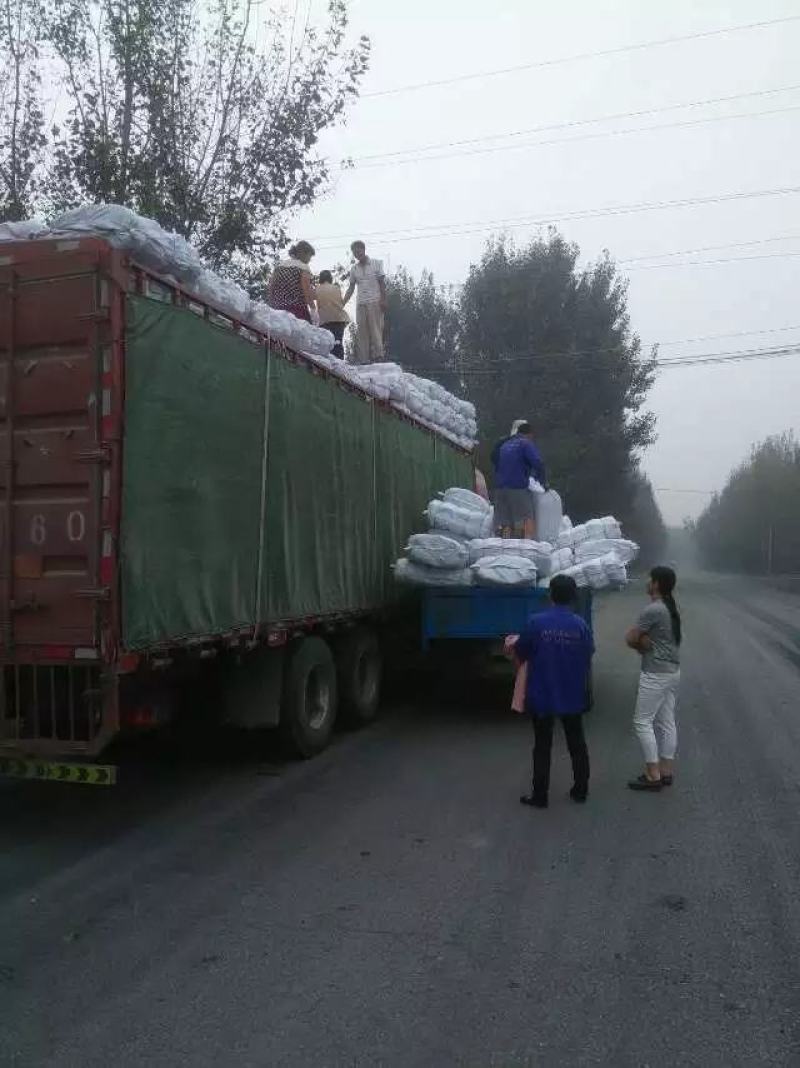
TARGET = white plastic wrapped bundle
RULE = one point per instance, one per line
(26, 230)
(313, 339)
(611, 527)
(437, 550)
(626, 551)
(388, 375)
(595, 572)
(225, 295)
(480, 547)
(467, 523)
(414, 574)
(566, 524)
(151, 246)
(561, 559)
(504, 571)
(548, 511)
(573, 537)
(595, 528)
(464, 498)
(576, 572)
(615, 570)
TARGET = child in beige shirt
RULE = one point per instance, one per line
(332, 315)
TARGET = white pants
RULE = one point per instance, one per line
(654, 718)
(369, 333)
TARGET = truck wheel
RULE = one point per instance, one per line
(309, 700)
(359, 667)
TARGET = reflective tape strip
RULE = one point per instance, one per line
(90, 774)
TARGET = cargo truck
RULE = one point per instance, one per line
(182, 497)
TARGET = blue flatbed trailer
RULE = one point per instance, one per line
(482, 612)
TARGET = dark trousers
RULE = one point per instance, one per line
(543, 746)
(337, 329)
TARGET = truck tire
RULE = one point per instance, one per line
(309, 699)
(359, 666)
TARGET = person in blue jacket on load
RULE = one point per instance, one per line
(516, 461)
(557, 646)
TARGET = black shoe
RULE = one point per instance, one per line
(579, 795)
(645, 784)
(534, 802)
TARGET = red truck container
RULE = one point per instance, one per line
(178, 491)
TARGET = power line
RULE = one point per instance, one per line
(719, 337)
(734, 356)
(713, 263)
(678, 124)
(579, 56)
(573, 123)
(666, 489)
(710, 248)
(689, 263)
(454, 229)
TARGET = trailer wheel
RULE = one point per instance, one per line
(359, 666)
(309, 699)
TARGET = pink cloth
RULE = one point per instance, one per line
(521, 679)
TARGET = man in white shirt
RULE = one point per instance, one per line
(368, 277)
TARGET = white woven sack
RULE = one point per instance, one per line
(504, 571)
(437, 550)
(468, 524)
(413, 574)
(560, 560)
(464, 498)
(626, 551)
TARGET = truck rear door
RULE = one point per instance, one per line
(53, 469)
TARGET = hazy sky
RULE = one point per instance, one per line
(708, 417)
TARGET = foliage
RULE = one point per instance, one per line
(205, 118)
(753, 525)
(534, 337)
(22, 138)
(642, 521)
(422, 327)
(547, 342)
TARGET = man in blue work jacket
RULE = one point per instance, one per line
(516, 461)
(557, 646)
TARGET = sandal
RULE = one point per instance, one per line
(666, 780)
(645, 784)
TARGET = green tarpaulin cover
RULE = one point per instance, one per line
(254, 489)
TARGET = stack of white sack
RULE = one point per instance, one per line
(441, 557)
(505, 570)
(443, 516)
(593, 529)
(428, 402)
(625, 550)
(172, 257)
(414, 574)
(600, 553)
(540, 553)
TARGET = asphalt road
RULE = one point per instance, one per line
(391, 903)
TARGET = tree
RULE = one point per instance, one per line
(543, 340)
(422, 327)
(22, 138)
(753, 525)
(642, 520)
(203, 118)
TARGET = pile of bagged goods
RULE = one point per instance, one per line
(172, 258)
(459, 550)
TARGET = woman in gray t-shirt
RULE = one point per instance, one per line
(657, 638)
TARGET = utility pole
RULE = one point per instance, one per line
(770, 548)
